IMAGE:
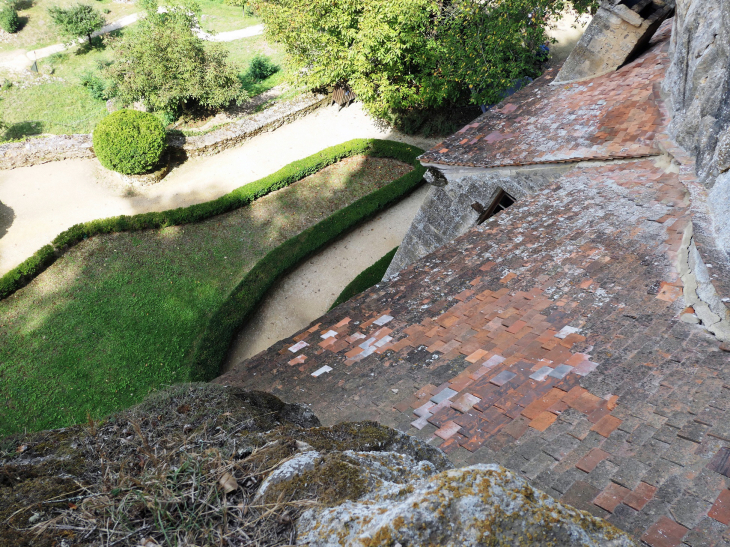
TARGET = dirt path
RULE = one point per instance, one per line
(43, 200)
(21, 59)
(307, 292)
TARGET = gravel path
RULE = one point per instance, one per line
(20, 59)
(43, 200)
(308, 291)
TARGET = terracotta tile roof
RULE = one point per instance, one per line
(550, 340)
(610, 117)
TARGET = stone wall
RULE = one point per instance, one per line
(447, 211)
(616, 33)
(49, 148)
(697, 88)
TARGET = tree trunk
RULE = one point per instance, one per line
(89, 37)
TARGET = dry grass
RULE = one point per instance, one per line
(182, 469)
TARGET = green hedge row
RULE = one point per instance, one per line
(367, 278)
(47, 255)
(228, 319)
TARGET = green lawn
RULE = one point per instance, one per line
(118, 315)
(37, 31)
(61, 105)
(220, 17)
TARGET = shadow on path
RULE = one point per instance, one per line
(7, 216)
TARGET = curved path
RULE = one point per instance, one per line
(20, 59)
(308, 291)
(47, 199)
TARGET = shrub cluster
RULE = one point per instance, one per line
(129, 142)
(261, 67)
(9, 20)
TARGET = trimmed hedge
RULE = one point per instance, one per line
(211, 349)
(129, 142)
(367, 278)
(228, 319)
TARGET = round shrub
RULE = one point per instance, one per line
(129, 142)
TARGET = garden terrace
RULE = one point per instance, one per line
(121, 313)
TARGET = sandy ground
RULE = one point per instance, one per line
(308, 291)
(567, 32)
(43, 200)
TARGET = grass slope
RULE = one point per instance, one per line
(366, 279)
(121, 314)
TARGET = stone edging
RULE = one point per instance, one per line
(64, 147)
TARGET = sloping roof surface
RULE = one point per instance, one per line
(554, 340)
(610, 117)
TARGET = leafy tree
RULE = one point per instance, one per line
(77, 21)
(413, 54)
(166, 66)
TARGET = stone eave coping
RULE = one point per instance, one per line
(612, 157)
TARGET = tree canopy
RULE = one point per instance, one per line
(77, 21)
(165, 65)
(401, 54)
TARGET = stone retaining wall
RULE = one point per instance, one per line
(64, 147)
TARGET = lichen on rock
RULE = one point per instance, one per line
(478, 505)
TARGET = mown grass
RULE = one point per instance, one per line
(221, 17)
(38, 31)
(366, 279)
(55, 102)
(119, 315)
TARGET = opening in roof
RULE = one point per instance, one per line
(500, 203)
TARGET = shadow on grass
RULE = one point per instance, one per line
(7, 216)
(97, 44)
(22, 22)
(21, 5)
(20, 130)
(120, 315)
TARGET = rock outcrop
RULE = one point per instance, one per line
(618, 31)
(477, 505)
(203, 463)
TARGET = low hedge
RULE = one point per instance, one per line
(210, 351)
(228, 319)
(366, 279)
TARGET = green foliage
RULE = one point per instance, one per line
(129, 141)
(76, 21)
(9, 21)
(366, 279)
(97, 87)
(162, 63)
(412, 54)
(248, 11)
(128, 323)
(261, 67)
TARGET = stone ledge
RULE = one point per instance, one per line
(64, 147)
